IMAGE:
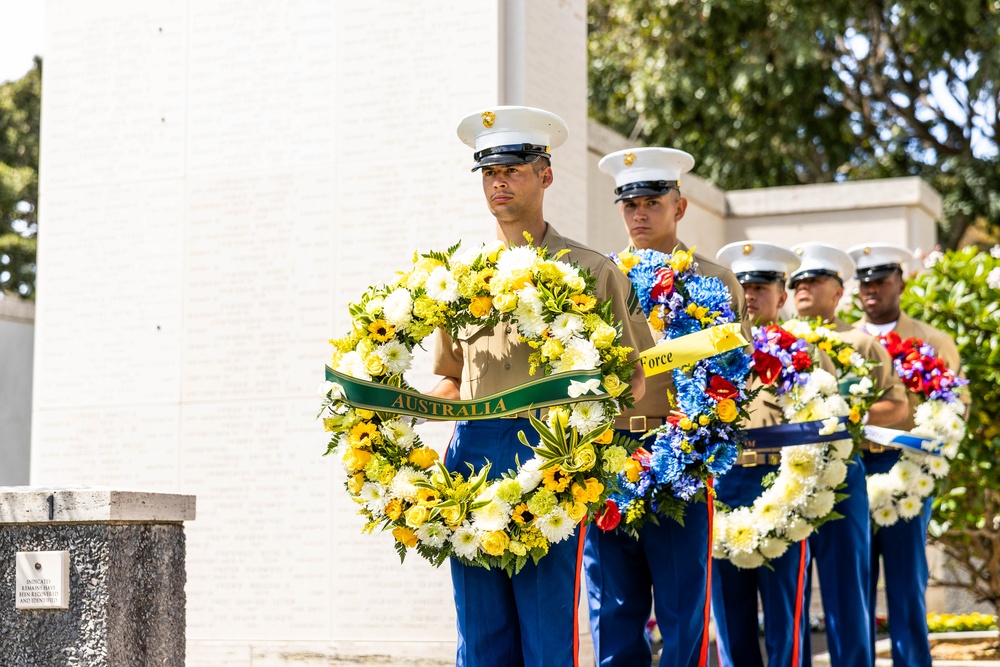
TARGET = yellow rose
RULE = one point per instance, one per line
(685, 424)
(605, 438)
(703, 420)
(576, 511)
(575, 283)
(416, 515)
(423, 457)
(680, 260)
(405, 535)
(355, 459)
(614, 386)
(355, 482)
(505, 302)
(452, 515)
(656, 320)
(521, 279)
(844, 356)
(628, 260)
(481, 306)
(855, 415)
(386, 475)
(496, 542)
(393, 509)
(632, 470)
(826, 346)
(364, 414)
(374, 365)
(584, 457)
(552, 349)
(603, 336)
(726, 409)
(594, 490)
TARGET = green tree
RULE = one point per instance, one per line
(960, 295)
(781, 92)
(20, 109)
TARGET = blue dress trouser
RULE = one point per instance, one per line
(666, 570)
(734, 591)
(903, 548)
(842, 551)
(528, 620)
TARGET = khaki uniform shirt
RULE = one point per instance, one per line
(907, 327)
(492, 359)
(656, 404)
(884, 376)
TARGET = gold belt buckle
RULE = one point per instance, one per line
(637, 424)
(750, 459)
(774, 459)
(875, 448)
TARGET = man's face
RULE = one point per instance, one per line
(514, 191)
(764, 301)
(818, 296)
(651, 222)
(880, 298)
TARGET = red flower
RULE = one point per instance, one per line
(915, 383)
(609, 517)
(664, 284)
(642, 456)
(719, 388)
(802, 361)
(768, 367)
(673, 419)
(785, 339)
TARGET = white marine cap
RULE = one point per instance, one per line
(511, 135)
(879, 260)
(758, 262)
(820, 259)
(646, 172)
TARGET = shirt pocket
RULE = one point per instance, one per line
(475, 343)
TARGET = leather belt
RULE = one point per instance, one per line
(639, 423)
(751, 458)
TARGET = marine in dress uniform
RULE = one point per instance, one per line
(903, 545)
(530, 618)
(762, 269)
(842, 548)
(667, 568)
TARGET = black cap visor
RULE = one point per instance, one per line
(645, 189)
(760, 277)
(505, 155)
(814, 273)
(877, 272)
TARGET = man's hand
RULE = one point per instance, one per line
(448, 387)
(886, 412)
(638, 382)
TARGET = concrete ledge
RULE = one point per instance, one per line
(17, 310)
(30, 504)
(798, 199)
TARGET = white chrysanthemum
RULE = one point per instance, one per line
(904, 472)
(515, 261)
(556, 526)
(820, 505)
(587, 416)
(803, 461)
(374, 306)
(993, 278)
(494, 516)
(441, 285)
(433, 534)
(771, 512)
(719, 548)
(373, 497)
(842, 449)
(825, 383)
(465, 541)
(773, 547)
(747, 560)
(791, 491)
(937, 466)
(836, 405)
(579, 355)
(398, 308)
(909, 507)
(923, 484)
(332, 389)
(400, 432)
(885, 516)
(741, 532)
(834, 473)
(404, 484)
(529, 476)
(530, 317)
(798, 529)
(567, 326)
(880, 491)
(353, 364)
(394, 356)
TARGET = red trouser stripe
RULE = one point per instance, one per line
(799, 603)
(576, 596)
(703, 658)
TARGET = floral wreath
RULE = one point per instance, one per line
(900, 492)
(398, 481)
(701, 438)
(802, 495)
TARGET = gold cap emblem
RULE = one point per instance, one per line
(868, 250)
(629, 159)
(488, 118)
(747, 248)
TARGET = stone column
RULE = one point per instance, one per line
(126, 576)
